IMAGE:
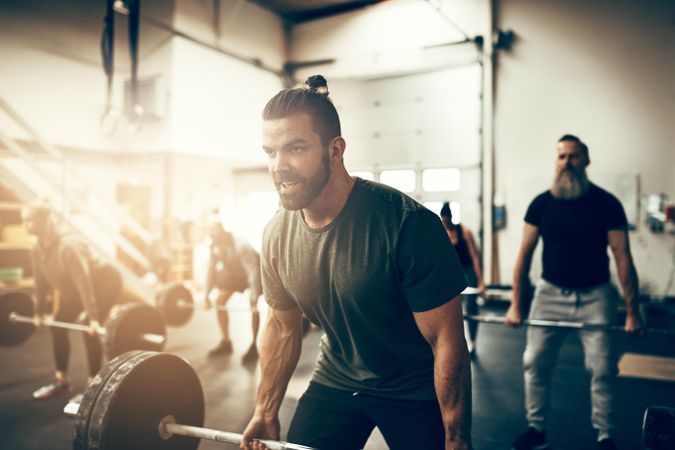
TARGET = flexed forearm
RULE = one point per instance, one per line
(452, 379)
(279, 355)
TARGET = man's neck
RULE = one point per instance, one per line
(326, 207)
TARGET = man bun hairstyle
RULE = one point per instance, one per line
(317, 84)
(579, 142)
(311, 98)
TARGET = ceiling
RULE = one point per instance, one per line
(296, 11)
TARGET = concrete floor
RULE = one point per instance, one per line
(230, 388)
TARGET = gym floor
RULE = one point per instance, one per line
(230, 387)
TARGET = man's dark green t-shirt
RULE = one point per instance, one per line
(361, 277)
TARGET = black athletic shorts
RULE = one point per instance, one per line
(328, 418)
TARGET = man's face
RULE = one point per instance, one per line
(34, 222)
(298, 162)
(570, 157)
(570, 178)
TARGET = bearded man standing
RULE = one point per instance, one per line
(577, 221)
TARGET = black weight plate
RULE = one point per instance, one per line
(139, 394)
(15, 333)
(127, 323)
(81, 422)
(658, 428)
(168, 303)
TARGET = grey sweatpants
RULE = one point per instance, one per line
(594, 305)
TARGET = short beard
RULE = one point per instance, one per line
(312, 186)
(570, 184)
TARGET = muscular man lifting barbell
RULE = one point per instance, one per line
(87, 289)
(577, 221)
(375, 270)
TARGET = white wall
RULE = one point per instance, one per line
(245, 28)
(405, 100)
(217, 100)
(394, 37)
(603, 70)
(217, 104)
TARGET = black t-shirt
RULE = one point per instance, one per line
(575, 236)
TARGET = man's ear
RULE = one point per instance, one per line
(336, 148)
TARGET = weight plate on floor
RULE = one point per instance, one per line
(81, 421)
(15, 333)
(138, 395)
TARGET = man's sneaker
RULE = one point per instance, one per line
(222, 349)
(52, 390)
(606, 444)
(250, 356)
(532, 439)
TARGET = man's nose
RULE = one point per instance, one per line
(279, 163)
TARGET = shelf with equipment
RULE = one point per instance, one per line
(16, 270)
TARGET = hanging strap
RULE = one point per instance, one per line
(107, 55)
(134, 31)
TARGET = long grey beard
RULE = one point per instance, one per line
(569, 184)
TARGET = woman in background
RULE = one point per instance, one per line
(465, 246)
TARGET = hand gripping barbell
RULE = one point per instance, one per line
(147, 400)
(130, 326)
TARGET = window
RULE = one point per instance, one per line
(260, 207)
(403, 180)
(441, 180)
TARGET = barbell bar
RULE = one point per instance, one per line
(489, 292)
(143, 400)
(150, 338)
(129, 326)
(563, 324)
(168, 427)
